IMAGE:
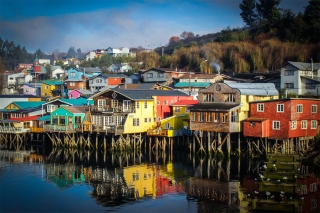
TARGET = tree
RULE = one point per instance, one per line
(265, 8)
(186, 35)
(248, 13)
(174, 39)
(225, 35)
(312, 18)
(71, 52)
(2, 75)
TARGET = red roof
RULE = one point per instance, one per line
(30, 118)
(185, 103)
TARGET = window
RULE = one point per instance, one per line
(288, 85)
(303, 190)
(101, 104)
(62, 120)
(167, 125)
(225, 118)
(216, 117)
(47, 87)
(51, 108)
(72, 84)
(165, 103)
(146, 120)
(114, 103)
(149, 75)
(313, 187)
(208, 97)
(136, 122)
(158, 102)
(234, 116)
(126, 105)
(313, 124)
(288, 72)
(160, 75)
(280, 108)
(299, 108)
(260, 107)
(304, 124)
(193, 116)
(201, 118)
(177, 109)
(54, 120)
(314, 203)
(77, 119)
(208, 117)
(98, 80)
(135, 176)
(293, 124)
(72, 74)
(314, 108)
(107, 120)
(146, 104)
(229, 97)
(276, 125)
(138, 105)
(149, 119)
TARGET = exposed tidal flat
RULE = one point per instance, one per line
(72, 180)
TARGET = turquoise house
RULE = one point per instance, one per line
(67, 118)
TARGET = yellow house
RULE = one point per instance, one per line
(141, 179)
(127, 111)
(48, 86)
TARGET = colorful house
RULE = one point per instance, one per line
(50, 86)
(66, 119)
(130, 111)
(292, 123)
(222, 108)
(77, 93)
(32, 89)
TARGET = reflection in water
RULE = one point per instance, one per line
(230, 185)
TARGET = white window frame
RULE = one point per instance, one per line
(299, 108)
(280, 107)
(72, 84)
(260, 107)
(165, 102)
(101, 104)
(51, 107)
(293, 125)
(72, 74)
(313, 124)
(313, 187)
(303, 190)
(167, 125)
(135, 122)
(276, 125)
(314, 108)
(126, 105)
(304, 124)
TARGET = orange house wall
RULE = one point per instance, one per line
(114, 81)
(261, 129)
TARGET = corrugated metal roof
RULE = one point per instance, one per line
(259, 89)
(148, 94)
(214, 106)
(28, 104)
(199, 76)
(50, 82)
(192, 84)
(76, 102)
(76, 109)
(304, 66)
(185, 103)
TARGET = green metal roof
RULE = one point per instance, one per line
(193, 84)
(52, 82)
(28, 104)
(77, 102)
(44, 118)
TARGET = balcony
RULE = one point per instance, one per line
(58, 128)
(119, 109)
(9, 129)
(117, 130)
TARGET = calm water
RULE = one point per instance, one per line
(41, 180)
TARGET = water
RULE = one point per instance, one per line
(91, 181)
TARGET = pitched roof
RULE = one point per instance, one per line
(304, 66)
(198, 76)
(28, 104)
(76, 109)
(166, 70)
(192, 84)
(260, 89)
(142, 94)
(81, 101)
(52, 82)
(30, 118)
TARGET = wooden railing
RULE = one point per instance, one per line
(130, 109)
(7, 129)
(117, 130)
(58, 128)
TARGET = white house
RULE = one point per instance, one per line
(12, 79)
(57, 72)
(44, 61)
(119, 51)
(301, 78)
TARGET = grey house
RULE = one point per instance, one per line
(105, 80)
(163, 75)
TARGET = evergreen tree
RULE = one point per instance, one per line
(248, 13)
(312, 18)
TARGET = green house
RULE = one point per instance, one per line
(67, 118)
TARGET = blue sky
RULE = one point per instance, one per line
(55, 25)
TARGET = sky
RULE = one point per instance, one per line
(57, 25)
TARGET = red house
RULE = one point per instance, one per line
(283, 118)
(310, 193)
